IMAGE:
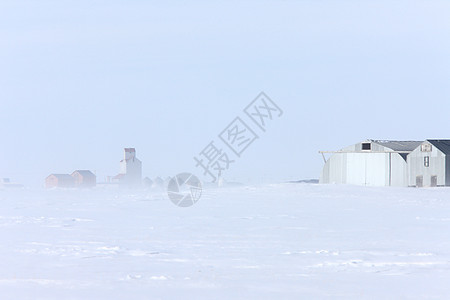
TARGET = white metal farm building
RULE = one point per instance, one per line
(429, 164)
(370, 163)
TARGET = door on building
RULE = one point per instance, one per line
(419, 181)
(433, 181)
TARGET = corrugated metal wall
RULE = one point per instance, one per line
(358, 167)
(436, 166)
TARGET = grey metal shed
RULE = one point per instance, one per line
(370, 163)
(429, 164)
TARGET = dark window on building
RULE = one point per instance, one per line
(366, 146)
(426, 161)
(426, 148)
(419, 181)
(433, 181)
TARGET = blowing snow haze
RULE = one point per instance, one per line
(81, 80)
(100, 97)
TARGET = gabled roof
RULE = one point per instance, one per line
(119, 176)
(158, 180)
(399, 145)
(62, 176)
(148, 180)
(84, 173)
(131, 159)
(443, 145)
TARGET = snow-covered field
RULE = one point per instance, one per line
(283, 241)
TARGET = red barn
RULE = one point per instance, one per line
(84, 178)
(59, 180)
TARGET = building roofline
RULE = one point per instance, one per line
(442, 145)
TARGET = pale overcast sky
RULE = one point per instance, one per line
(81, 80)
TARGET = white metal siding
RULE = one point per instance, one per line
(366, 169)
(437, 165)
(354, 166)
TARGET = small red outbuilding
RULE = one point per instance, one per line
(84, 178)
(59, 180)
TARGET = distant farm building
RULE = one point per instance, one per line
(84, 178)
(147, 182)
(59, 180)
(158, 181)
(370, 163)
(79, 178)
(130, 169)
(6, 183)
(429, 164)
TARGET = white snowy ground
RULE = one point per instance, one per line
(284, 241)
